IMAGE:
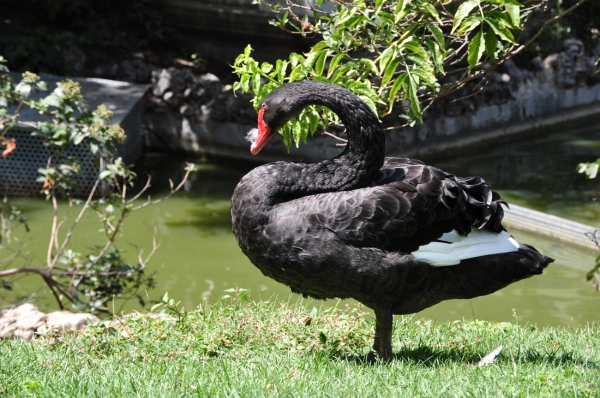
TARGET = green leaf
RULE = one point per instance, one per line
(385, 57)
(334, 63)
(266, 67)
(370, 65)
(590, 169)
(245, 83)
(427, 76)
(256, 83)
(313, 116)
(412, 95)
(399, 11)
(438, 35)
(418, 55)
(23, 89)
(514, 14)
(78, 138)
(105, 174)
(430, 9)
(286, 136)
(51, 100)
(281, 67)
(438, 57)
(501, 30)
(361, 88)
(320, 64)
(389, 71)
(298, 73)
(463, 11)
(513, 2)
(395, 89)
(491, 43)
(476, 48)
(319, 46)
(470, 23)
(312, 57)
(322, 338)
(297, 131)
(341, 71)
(369, 102)
(42, 85)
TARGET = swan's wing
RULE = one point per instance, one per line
(408, 205)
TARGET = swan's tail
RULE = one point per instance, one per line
(472, 277)
(487, 274)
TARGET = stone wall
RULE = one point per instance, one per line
(196, 114)
(221, 29)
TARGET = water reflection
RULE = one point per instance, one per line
(542, 162)
(208, 216)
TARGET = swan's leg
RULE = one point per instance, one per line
(383, 334)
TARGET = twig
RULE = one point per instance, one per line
(16, 254)
(53, 231)
(544, 26)
(144, 189)
(70, 232)
(334, 136)
(155, 246)
(173, 190)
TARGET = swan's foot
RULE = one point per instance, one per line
(383, 335)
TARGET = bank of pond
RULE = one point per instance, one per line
(199, 258)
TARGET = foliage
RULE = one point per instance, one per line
(270, 348)
(38, 30)
(89, 280)
(591, 171)
(389, 52)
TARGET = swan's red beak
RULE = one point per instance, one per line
(264, 134)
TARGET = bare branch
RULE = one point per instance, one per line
(544, 26)
(70, 232)
(173, 190)
(334, 136)
(144, 189)
(53, 231)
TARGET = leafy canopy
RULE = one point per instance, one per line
(389, 53)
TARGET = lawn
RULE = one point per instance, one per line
(271, 348)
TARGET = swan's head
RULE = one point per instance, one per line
(261, 135)
(278, 107)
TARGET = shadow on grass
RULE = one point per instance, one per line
(429, 357)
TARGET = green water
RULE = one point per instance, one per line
(199, 258)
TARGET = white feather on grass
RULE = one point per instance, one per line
(489, 358)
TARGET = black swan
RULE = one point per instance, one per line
(395, 234)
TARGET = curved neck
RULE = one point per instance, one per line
(356, 165)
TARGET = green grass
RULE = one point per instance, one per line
(254, 349)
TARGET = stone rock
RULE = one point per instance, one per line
(137, 70)
(571, 67)
(161, 81)
(24, 321)
(184, 107)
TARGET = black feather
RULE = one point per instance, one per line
(345, 227)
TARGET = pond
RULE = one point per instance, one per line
(199, 258)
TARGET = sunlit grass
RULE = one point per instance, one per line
(270, 348)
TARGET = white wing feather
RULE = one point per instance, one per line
(451, 248)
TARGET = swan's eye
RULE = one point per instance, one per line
(264, 106)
